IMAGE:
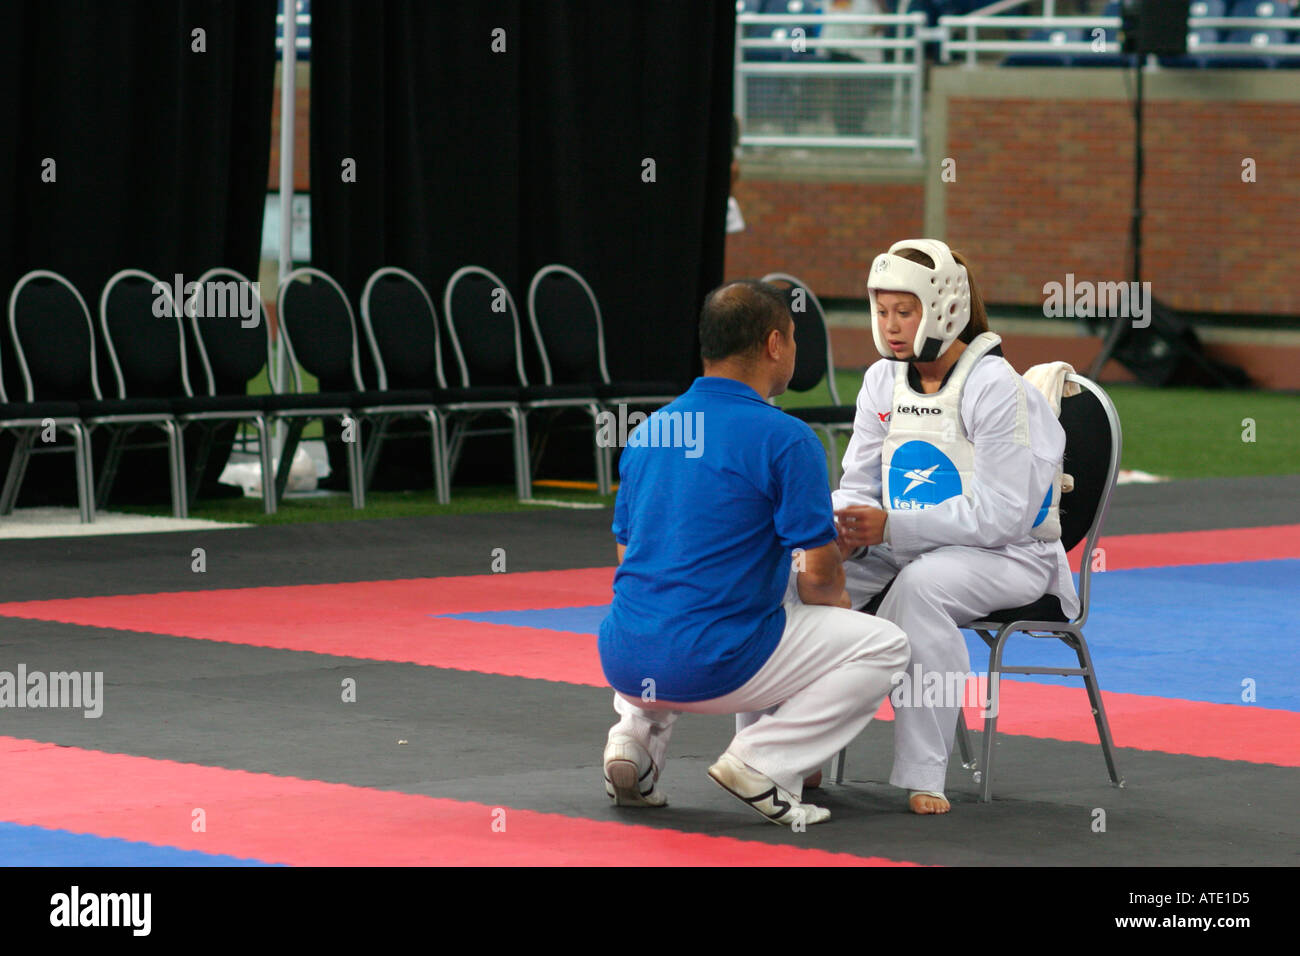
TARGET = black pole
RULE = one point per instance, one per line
(1117, 329)
(1137, 175)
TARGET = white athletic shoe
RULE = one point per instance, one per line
(630, 774)
(762, 793)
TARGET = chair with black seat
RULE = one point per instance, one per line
(41, 293)
(232, 350)
(483, 328)
(402, 328)
(319, 335)
(141, 324)
(570, 334)
(1093, 446)
(1094, 443)
(813, 363)
(563, 316)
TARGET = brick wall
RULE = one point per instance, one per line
(1044, 164)
(1045, 188)
(301, 133)
(826, 233)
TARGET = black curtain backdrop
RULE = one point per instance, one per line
(161, 157)
(512, 160)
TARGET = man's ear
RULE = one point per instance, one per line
(775, 341)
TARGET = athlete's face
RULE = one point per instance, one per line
(897, 315)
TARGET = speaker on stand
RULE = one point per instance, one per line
(1166, 351)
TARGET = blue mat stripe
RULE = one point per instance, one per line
(23, 845)
(1192, 632)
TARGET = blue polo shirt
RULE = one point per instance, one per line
(716, 490)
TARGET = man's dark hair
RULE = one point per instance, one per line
(738, 317)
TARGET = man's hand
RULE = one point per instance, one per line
(861, 526)
(822, 579)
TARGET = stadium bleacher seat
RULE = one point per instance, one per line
(1260, 39)
(1112, 9)
(1048, 59)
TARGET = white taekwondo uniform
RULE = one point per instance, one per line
(966, 474)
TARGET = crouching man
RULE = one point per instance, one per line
(707, 617)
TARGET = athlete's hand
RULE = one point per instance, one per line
(861, 525)
(845, 548)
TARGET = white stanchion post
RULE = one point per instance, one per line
(288, 116)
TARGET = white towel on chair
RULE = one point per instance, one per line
(1049, 378)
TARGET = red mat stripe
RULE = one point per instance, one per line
(390, 620)
(1162, 724)
(311, 823)
(1196, 547)
(377, 620)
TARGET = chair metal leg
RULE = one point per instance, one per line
(523, 469)
(176, 447)
(371, 457)
(537, 441)
(985, 772)
(833, 469)
(438, 443)
(455, 445)
(1098, 708)
(206, 439)
(837, 766)
(963, 742)
(833, 454)
(356, 472)
(86, 472)
(264, 453)
(17, 469)
(292, 435)
(602, 476)
(602, 461)
(607, 463)
(111, 461)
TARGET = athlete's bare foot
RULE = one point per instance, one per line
(813, 781)
(921, 802)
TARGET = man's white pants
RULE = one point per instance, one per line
(931, 596)
(823, 683)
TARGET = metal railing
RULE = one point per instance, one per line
(302, 38)
(960, 35)
(801, 90)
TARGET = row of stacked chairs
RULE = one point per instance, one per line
(448, 374)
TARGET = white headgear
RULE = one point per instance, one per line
(944, 292)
